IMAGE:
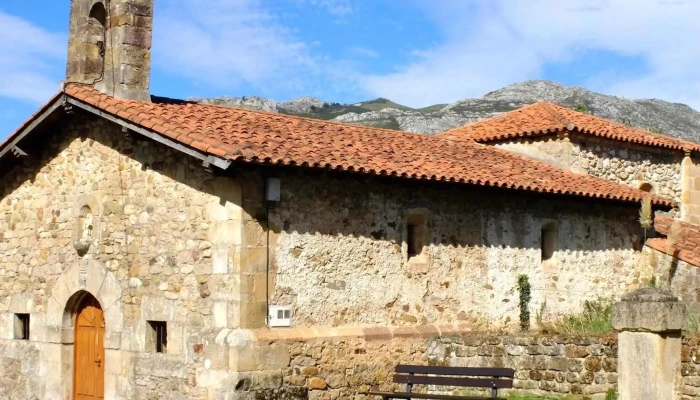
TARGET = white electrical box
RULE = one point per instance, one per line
(280, 316)
(273, 189)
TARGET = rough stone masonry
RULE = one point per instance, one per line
(171, 243)
(184, 261)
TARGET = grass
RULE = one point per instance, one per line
(610, 395)
(596, 318)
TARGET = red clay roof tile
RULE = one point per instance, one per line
(544, 118)
(685, 245)
(261, 137)
(256, 136)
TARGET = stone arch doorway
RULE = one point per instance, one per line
(89, 350)
(85, 279)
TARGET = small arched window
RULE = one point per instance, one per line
(95, 39)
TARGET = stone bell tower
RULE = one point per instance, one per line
(109, 46)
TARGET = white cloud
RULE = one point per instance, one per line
(229, 42)
(498, 42)
(30, 58)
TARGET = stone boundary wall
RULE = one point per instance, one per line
(690, 368)
(339, 363)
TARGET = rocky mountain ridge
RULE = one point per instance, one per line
(659, 116)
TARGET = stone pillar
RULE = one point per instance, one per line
(649, 344)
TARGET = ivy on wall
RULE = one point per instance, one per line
(525, 297)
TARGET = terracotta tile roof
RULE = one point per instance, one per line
(544, 118)
(686, 245)
(260, 137)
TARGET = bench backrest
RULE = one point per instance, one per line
(494, 378)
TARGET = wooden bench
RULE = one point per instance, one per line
(493, 378)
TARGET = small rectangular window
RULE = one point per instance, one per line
(22, 326)
(416, 234)
(157, 339)
(412, 241)
(548, 241)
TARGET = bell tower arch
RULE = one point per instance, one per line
(109, 46)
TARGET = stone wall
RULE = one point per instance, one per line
(625, 163)
(680, 277)
(690, 368)
(167, 244)
(349, 362)
(341, 256)
(629, 164)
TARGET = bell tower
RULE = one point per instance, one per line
(109, 46)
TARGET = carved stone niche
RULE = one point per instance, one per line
(86, 217)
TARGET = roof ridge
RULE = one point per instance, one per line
(537, 103)
(420, 135)
(549, 107)
(315, 120)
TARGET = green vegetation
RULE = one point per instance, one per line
(525, 297)
(595, 319)
(381, 103)
(692, 322)
(581, 108)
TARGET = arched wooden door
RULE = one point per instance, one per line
(89, 365)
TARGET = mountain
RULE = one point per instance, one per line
(670, 118)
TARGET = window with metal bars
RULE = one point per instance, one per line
(158, 336)
(22, 326)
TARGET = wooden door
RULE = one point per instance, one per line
(89, 366)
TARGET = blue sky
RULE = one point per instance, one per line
(415, 52)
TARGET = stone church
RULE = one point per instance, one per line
(158, 248)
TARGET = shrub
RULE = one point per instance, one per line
(596, 318)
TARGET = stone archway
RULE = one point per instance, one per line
(88, 277)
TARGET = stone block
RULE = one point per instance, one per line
(113, 362)
(158, 308)
(220, 261)
(253, 314)
(7, 326)
(96, 273)
(176, 338)
(239, 337)
(60, 294)
(220, 314)
(259, 358)
(71, 280)
(23, 303)
(649, 310)
(648, 365)
(110, 292)
(254, 260)
(234, 314)
(227, 233)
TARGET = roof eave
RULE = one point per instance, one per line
(12, 142)
(207, 159)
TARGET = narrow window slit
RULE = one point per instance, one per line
(22, 326)
(158, 336)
